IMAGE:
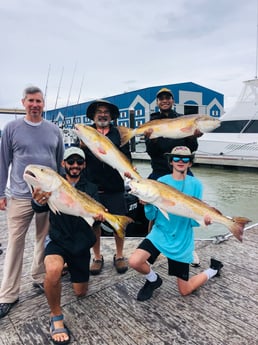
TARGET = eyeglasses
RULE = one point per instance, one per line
(183, 159)
(105, 112)
(71, 161)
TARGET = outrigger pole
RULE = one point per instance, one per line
(45, 93)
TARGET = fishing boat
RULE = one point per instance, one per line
(235, 142)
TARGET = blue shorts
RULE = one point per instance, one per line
(79, 266)
(175, 268)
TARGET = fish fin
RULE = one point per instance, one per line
(102, 150)
(165, 214)
(186, 129)
(53, 207)
(237, 227)
(125, 134)
(89, 220)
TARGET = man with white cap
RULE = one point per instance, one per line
(69, 241)
(173, 237)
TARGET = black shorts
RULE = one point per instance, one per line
(79, 266)
(114, 202)
(175, 268)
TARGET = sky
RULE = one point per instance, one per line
(77, 50)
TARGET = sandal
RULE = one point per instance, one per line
(54, 330)
(120, 264)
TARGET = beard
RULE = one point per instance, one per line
(73, 175)
(102, 124)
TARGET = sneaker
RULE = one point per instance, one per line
(148, 288)
(96, 266)
(216, 265)
(120, 264)
(6, 307)
(39, 286)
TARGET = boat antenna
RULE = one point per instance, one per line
(59, 86)
(69, 94)
(45, 93)
(79, 96)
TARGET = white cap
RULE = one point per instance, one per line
(73, 150)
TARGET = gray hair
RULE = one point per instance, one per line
(31, 90)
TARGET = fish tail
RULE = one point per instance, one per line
(121, 224)
(125, 134)
(237, 227)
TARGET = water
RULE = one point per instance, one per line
(233, 192)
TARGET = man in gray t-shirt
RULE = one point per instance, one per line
(28, 140)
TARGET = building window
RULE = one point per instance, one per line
(138, 123)
(123, 114)
(215, 113)
(138, 112)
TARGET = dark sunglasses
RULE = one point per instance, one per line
(183, 159)
(71, 161)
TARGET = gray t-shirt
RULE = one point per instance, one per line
(24, 143)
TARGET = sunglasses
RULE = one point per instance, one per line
(71, 161)
(183, 159)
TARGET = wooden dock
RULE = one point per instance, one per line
(222, 312)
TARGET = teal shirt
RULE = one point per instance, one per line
(174, 238)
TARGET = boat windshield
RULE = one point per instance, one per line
(238, 126)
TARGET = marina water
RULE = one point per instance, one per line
(233, 192)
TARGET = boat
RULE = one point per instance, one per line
(235, 142)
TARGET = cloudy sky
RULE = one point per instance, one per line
(78, 50)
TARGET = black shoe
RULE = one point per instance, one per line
(39, 286)
(216, 265)
(148, 288)
(6, 307)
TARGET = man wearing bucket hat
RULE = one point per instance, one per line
(174, 238)
(157, 147)
(110, 184)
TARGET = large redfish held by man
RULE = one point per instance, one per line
(169, 200)
(105, 150)
(180, 127)
(69, 200)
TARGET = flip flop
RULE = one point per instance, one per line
(54, 330)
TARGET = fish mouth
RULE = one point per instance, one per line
(31, 174)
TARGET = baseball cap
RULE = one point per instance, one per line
(73, 151)
(164, 90)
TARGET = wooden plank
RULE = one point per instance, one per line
(223, 311)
